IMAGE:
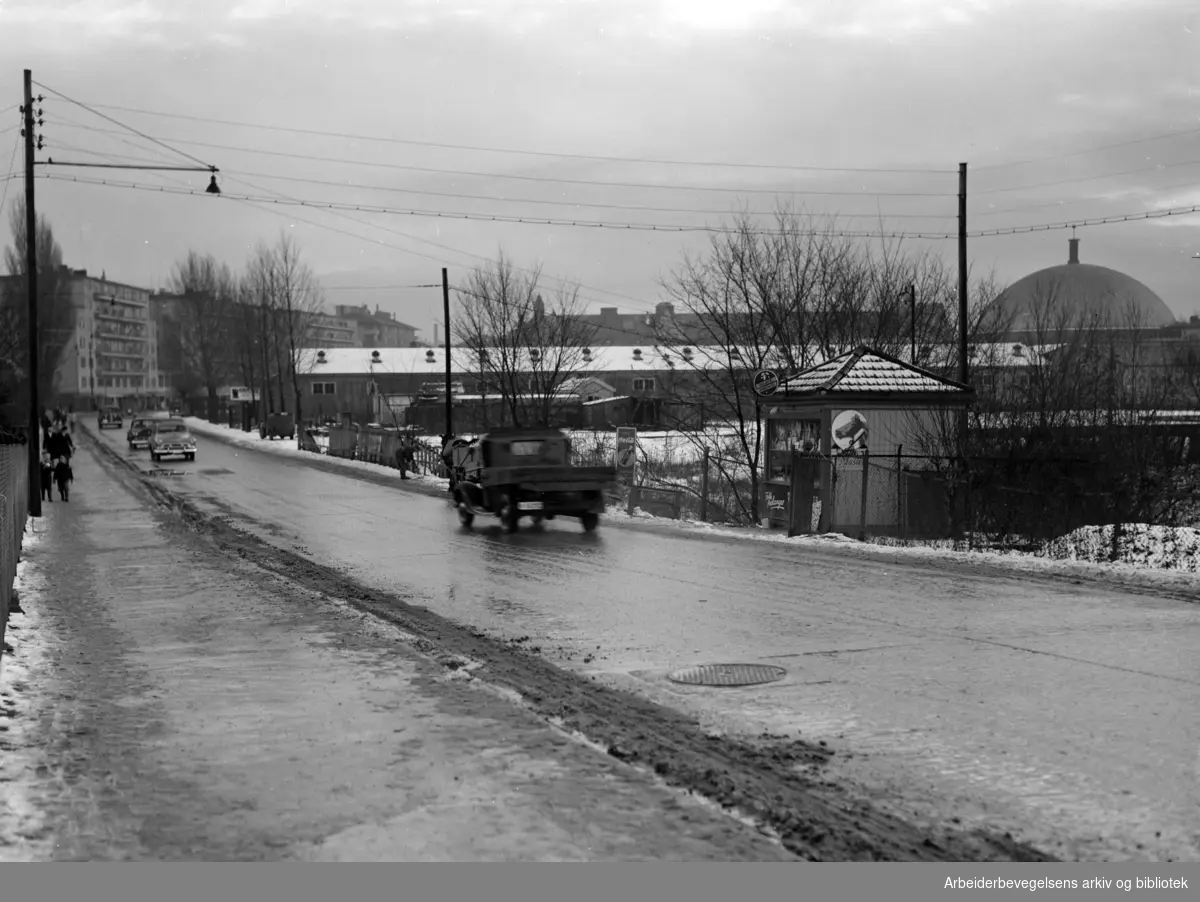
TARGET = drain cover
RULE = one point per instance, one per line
(728, 675)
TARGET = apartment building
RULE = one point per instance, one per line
(112, 357)
(374, 330)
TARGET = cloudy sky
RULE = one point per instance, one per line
(604, 111)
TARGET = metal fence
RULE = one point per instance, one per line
(14, 511)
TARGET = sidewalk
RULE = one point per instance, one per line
(167, 703)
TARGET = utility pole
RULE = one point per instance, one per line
(31, 283)
(963, 372)
(446, 329)
(912, 302)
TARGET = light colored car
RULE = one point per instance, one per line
(171, 438)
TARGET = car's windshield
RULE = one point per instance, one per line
(172, 427)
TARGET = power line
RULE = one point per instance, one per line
(567, 203)
(1130, 217)
(1105, 220)
(319, 225)
(1079, 153)
(515, 220)
(535, 153)
(550, 179)
(128, 128)
(1082, 200)
(11, 174)
(439, 246)
(1090, 178)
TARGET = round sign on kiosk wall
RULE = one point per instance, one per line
(766, 382)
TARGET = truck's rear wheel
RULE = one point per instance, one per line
(590, 522)
(510, 515)
(465, 516)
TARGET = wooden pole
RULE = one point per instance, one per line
(900, 528)
(704, 488)
(862, 513)
(31, 286)
(446, 329)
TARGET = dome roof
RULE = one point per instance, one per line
(1078, 288)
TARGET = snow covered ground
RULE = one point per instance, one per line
(1166, 556)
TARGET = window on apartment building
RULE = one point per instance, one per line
(324, 388)
(643, 385)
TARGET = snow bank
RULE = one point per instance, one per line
(1163, 556)
(286, 448)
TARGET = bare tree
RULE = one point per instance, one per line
(788, 298)
(526, 351)
(56, 315)
(206, 322)
(287, 296)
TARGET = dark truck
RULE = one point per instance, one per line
(527, 472)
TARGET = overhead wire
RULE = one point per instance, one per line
(1130, 217)
(1088, 178)
(443, 247)
(564, 203)
(11, 174)
(1078, 153)
(550, 179)
(128, 128)
(593, 224)
(536, 153)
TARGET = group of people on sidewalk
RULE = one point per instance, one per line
(57, 448)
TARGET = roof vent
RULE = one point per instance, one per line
(535, 355)
(587, 355)
(374, 356)
(637, 354)
(429, 356)
(320, 356)
(1017, 351)
(735, 354)
(687, 353)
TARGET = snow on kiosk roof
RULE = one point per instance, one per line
(867, 372)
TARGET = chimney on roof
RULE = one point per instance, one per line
(1073, 257)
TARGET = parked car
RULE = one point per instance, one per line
(170, 438)
(111, 416)
(139, 433)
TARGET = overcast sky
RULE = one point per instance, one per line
(1031, 94)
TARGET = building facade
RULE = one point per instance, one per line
(373, 330)
(326, 331)
(112, 357)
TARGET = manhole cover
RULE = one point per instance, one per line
(216, 471)
(728, 675)
(160, 472)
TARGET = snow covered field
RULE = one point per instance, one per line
(1169, 556)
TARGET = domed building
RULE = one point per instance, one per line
(1071, 293)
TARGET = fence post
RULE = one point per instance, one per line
(862, 514)
(900, 530)
(704, 488)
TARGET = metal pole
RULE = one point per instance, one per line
(31, 282)
(446, 324)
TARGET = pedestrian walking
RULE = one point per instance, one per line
(47, 476)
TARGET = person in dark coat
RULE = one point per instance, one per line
(47, 476)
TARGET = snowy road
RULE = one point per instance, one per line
(1066, 714)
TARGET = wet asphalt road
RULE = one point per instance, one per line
(1067, 714)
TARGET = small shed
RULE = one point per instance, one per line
(841, 427)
